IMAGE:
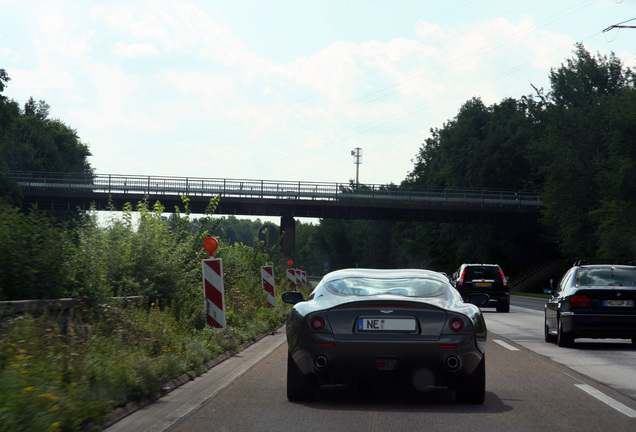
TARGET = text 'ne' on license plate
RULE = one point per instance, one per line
(618, 303)
(386, 324)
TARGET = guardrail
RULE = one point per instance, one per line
(266, 189)
(54, 305)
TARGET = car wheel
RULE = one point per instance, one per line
(299, 387)
(548, 337)
(564, 339)
(473, 389)
(503, 308)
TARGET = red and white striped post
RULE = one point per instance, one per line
(213, 290)
(267, 278)
(291, 274)
(291, 277)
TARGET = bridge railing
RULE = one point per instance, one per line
(266, 189)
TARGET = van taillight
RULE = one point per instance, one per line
(503, 278)
(460, 281)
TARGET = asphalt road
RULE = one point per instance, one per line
(531, 386)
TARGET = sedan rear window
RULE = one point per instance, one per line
(358, 286)
(606, 277)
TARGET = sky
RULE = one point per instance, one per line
(285, 89)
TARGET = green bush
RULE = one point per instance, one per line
(66, 373)
(35, 253)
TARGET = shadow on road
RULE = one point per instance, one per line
(341, 398)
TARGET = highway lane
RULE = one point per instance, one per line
(610, 361)
(526, 391)
(529, 388)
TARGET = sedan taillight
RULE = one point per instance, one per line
(578, 300)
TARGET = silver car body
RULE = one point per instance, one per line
(406, 325)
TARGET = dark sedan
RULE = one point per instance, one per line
(592, 301)
(386, 326)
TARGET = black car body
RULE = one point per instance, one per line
(487, 279)
(592, 301)
(402, 326)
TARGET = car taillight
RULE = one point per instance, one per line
(580, 301)
(317, 323)
(503, 278)
(456, 324)
(460, 281)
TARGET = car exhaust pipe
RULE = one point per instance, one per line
(452, 363)
(320, 362)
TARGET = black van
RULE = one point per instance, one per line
(483, 279)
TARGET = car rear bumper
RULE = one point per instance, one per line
(585, 325)
(423, 363)
(496, 298)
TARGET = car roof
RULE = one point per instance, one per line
(602, 266)
(585, 262)
(384, 273)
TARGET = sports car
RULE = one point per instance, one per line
(406, 326)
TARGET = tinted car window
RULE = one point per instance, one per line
(420, 287)
(606, 276)
(482, 273)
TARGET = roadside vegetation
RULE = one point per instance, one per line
(64, 372)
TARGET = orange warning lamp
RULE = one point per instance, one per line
(210, 244)
(290, 263)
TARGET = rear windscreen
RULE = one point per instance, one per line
(359, 286)
(482, 273)
(606, 276)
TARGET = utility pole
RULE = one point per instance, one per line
(357, 159)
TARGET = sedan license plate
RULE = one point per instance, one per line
(483, 284)
(386, 324)
(618, 303)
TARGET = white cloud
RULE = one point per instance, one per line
(134, 50)
(172, 87)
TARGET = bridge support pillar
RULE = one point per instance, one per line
(288, 231)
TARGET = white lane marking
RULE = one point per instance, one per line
(608, 400)
(505, 345)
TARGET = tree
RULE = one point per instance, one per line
(575, 152)
(482, 147)
(31, 141)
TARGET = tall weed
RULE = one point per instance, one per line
(63, 373)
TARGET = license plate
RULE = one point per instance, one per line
(618, 303)
(386, 324)
(483, 284)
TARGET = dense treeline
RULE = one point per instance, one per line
(575, 143)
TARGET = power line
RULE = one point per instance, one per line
(620, 25)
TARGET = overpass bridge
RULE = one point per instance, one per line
(285, 199)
